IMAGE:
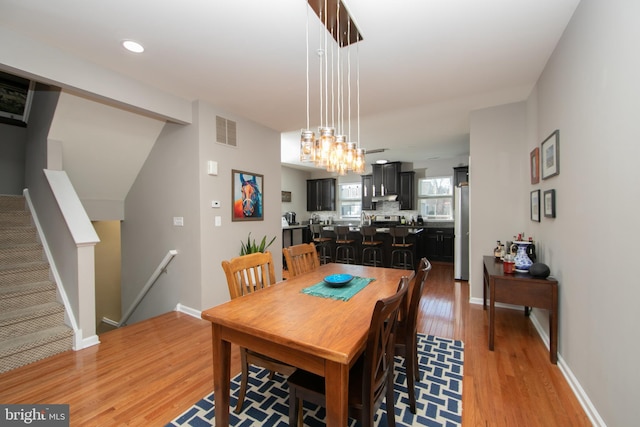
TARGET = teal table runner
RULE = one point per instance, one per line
(343, 293)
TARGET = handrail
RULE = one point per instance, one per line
(161, 269)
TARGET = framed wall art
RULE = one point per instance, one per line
(535, 165)
(535, 205)
(247, 189)
(549, 197)
(550, 151)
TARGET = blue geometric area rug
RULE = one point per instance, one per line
(438, 394)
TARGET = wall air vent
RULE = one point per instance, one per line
(226, 131)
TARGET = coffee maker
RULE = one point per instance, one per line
(291, 218)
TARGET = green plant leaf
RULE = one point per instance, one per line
(251, 247)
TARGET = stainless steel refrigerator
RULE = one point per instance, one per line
(461, 230)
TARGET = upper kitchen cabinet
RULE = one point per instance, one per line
(386, 179)
(367, 192)
(460, 175)
(405, 196)
(321, 194)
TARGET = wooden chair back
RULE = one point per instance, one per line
(249, 273)
(301, 258)
(409, 312)
(379, 352)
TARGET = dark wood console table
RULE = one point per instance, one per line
(520, 289)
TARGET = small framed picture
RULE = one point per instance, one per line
(550, 151)
(535, 205)
(246, 194)
(535, 165)
(549, 203)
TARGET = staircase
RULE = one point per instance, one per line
(31, 318)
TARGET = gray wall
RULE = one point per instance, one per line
(13, 143)
(589, 91)
(174, 182)
(295, 181)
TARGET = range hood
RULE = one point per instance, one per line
(387, 198)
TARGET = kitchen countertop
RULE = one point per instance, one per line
(412, 229)
(295, 226)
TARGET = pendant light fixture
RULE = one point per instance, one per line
(333, 148)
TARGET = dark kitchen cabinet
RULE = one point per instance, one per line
(321, 194)
(405, 196)
(367, 192)
(460, 175)
(439, 244)
(386, 178)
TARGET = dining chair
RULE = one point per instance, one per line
(247, 274)
(370, 378)
(301, 258)
(406, 333)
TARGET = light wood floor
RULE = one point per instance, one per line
(148, 373)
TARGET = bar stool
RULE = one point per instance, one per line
(401, 254)
(322, 243)
(345, 252)
(372, 249)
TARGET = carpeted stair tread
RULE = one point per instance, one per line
(20, 351)
(26, 320)
(14, 218)
(36, 271)
(14, 345)
(19, 253)
(12, 203)
(14, 297)
(18, 234)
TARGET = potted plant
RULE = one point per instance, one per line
(251, 247)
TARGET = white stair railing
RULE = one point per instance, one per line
(161, 269)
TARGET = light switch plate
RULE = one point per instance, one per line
(212, 167)
(218, 221)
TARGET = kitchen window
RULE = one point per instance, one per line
(350, 200)
(435, 198)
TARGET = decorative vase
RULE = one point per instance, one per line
(523, 262)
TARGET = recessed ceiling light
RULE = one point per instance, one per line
(381, 162)
(132, 46)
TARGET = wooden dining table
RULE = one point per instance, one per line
(321, 335)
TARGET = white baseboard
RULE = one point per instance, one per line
(79, 342)
(110, 322)
(188, 310)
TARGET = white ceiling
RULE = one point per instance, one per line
(424, 64)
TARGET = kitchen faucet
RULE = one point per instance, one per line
(365, 219)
